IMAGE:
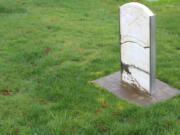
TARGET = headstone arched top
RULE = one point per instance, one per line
(135, 21)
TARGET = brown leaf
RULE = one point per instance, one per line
(45, 103)
(17, 131)
(38, 80)
(104, 104)
(47, 49)
(73, 129)
(98, 111)
(6, 92)
(103, 128)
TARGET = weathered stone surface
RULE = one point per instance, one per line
(135, 34)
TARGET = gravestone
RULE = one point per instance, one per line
(137, 41)
(136, 80)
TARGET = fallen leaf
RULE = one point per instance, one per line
(17, 131)
(47, 49)
(104, 104)
(6, 92)
(98, 111)
(45, 103)
(38, 80)
(103, 128)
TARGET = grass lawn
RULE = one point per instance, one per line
(50, 50)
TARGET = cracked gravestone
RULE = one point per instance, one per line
(137, 41)
(136, 80)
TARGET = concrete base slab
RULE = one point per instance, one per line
(112, 84)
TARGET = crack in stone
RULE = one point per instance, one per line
(133, 42)
(132, 38)
(126, 68)
(136, 84)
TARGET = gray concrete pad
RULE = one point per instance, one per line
(113, 84)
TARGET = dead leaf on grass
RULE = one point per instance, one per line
(104, 104)
(38, 80)
(98, 111)
(102, 128)
(45, 103)
(6, 92)
(47, 49)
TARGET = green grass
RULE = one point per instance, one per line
(52, 49)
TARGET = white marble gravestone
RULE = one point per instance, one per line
(138, 49)
(137, 37)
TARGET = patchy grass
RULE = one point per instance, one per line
(52, 49)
